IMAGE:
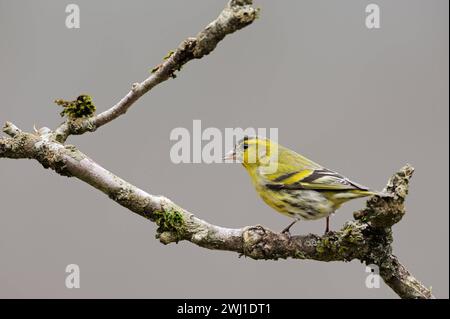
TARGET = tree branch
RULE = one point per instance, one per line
(236, 15)
(368, 238)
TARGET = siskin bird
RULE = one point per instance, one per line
(292, 184)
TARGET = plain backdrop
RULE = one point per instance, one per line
(362, 102)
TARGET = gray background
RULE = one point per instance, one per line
(362, 102)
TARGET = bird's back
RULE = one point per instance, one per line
(299, 187)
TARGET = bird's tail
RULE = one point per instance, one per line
(369, 192)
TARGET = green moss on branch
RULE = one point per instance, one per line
(80, 108)
(170, 224)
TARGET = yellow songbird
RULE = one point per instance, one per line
(292, 184)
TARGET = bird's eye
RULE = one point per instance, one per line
(245, 146)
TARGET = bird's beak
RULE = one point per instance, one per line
(231, 155)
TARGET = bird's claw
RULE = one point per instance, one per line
(286, 233)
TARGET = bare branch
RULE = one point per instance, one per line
(236, 15)
(396, 276)
(365, 238)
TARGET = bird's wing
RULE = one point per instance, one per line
(313, 179)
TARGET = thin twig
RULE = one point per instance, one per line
(236, 15)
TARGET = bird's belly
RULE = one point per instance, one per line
(299, 204)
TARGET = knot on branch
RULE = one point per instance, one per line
(385, 210)
(136, 86)
(262, 243)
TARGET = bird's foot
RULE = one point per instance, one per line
(286, 230)
(327, 226)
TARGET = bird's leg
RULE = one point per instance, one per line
(286, 230)
(327, 227)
